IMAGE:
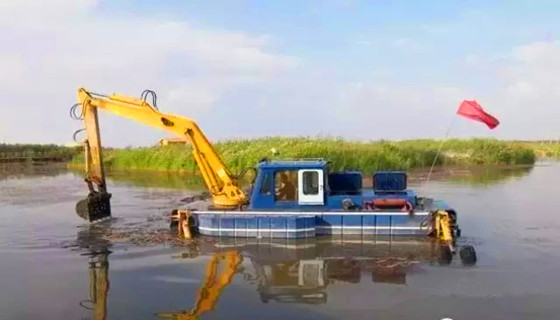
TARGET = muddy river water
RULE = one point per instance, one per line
(55, 266)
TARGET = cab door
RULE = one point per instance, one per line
(311, 187)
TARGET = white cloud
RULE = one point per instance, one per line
(531, 76)
(57, 46)
(521, 88)
(364, 42)
(403, 43)
(472, 59)
(397, 111)
(529, 91)
(409, 45)
(197, 94)
(14, 69)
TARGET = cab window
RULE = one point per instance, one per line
(266, 185)
(310, 183)
(286, 185)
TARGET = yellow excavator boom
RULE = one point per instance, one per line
(223, 187)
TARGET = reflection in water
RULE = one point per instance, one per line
(514, 226)
(302, 281)
(30, 170)
(285, 272)
(491, 175)
(306, 280)
(281, 271)
(300, 272)
(98, 271)
(98, 285)
(476, 175)
(215, 281)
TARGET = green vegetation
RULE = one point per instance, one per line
(548, 148)
(37, 150)
(478, 151)
(343, 154)
(164, 179)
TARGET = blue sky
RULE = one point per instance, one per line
(358, 69)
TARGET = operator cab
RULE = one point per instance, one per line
(289, 184)
(307, 185)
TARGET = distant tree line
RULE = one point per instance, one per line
(37, 150)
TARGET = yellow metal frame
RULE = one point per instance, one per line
(444, 229)
(223, 187)
(183, 218)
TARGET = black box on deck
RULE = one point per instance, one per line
(348, 182)
(389, 181)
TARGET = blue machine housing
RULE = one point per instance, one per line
(338, 187)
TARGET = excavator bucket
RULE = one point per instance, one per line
(96, 206)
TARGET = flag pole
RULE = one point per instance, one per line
(439, 151)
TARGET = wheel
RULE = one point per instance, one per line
(445, 255)
(468, 255)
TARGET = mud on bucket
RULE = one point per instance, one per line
(96, 206)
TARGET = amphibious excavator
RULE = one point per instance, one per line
(293, 199)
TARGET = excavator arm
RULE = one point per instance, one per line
(223, 187)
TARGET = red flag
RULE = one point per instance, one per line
(472, 110)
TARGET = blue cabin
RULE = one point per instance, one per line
(307, 185)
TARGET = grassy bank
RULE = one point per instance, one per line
(363, 156)
(548, 148)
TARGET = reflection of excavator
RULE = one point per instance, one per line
(306, 280)
(284, 278)
(300, 281)
(98, 271)
(222, 185)
(214, 283)
(212, 287)
(297, 275)
(98, 285)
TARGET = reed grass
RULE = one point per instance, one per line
(342, 154)
(544, 148)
